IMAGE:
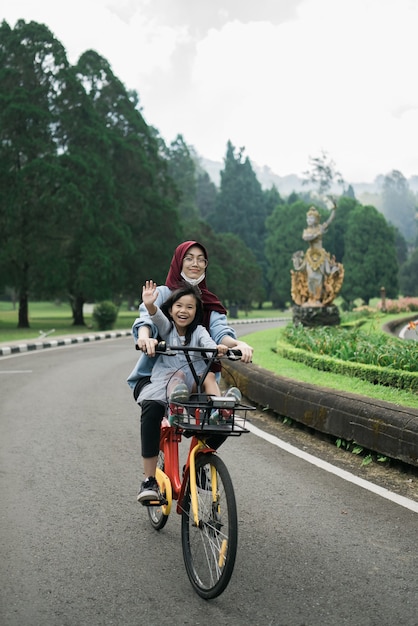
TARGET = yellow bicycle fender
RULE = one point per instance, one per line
(164, 484)
(193, 488)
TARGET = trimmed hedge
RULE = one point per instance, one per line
(370, 373)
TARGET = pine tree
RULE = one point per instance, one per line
(182, 169)
(33, 72)
(370, 259)
(399, 205)
(285, 226)
(241, 207)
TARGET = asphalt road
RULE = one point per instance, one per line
(77, 549)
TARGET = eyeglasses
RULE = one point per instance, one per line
(199, 260)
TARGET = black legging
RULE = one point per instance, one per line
(151, 416)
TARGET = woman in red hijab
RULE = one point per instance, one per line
(188, 264)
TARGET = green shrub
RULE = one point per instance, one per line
(376, 358)
(105, 314)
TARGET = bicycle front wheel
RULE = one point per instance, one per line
(210, 547)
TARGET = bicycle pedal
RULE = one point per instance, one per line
(161, 502)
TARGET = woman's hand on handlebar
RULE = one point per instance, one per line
(246, 351)
(235, 344)
(145, 343)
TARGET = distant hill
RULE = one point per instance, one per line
(287, 184)
(267, 178)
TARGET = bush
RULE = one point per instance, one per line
(105, 314)
(375, 357)
(402, 305)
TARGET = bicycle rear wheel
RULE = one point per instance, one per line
(209, 549)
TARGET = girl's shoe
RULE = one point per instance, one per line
(149, 491)
(180, 393)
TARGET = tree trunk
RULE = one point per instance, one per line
(77, 309)
(23, 315)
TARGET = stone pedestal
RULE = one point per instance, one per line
(312, 316)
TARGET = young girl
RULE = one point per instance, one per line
(178, 323)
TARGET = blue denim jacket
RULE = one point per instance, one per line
(218, 328)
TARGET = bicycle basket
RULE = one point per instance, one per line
(206, 415)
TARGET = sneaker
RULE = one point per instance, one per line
(231, 392)
(214, 417)
(149, 490)
(235, 392)
(180, 393)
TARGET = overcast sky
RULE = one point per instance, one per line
(286, 79)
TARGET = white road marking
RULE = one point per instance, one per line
(328, 467)
(17, 372)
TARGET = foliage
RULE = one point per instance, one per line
(206, 194)
(240, 208)
(385, 360)
(399, 205)
(267, 356)
(33, 79)
(182, 169)
(84, 187)
(143, 197)
(336, 237)
(401, 305)
(105, 314)
(355, 345)
(370, 262)
(408, 276)
(284, 227)
(354, 448)
(323, 173)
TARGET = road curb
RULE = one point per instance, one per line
(381, 427)
(16, 348)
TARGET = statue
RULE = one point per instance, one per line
(317, 277)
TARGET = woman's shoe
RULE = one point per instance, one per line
(235, 393)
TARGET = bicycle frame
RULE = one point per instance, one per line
(173, 485)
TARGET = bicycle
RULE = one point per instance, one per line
(204, 494)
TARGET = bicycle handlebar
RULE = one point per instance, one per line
(163, 348)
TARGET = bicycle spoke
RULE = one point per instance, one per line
(209, 549)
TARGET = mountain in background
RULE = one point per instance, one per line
(285, 185)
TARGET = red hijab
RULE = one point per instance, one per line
(174, 280)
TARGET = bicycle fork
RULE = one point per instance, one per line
(193, 484)
(215, 504)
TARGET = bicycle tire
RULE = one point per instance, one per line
(209, 550)
(156, 514)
